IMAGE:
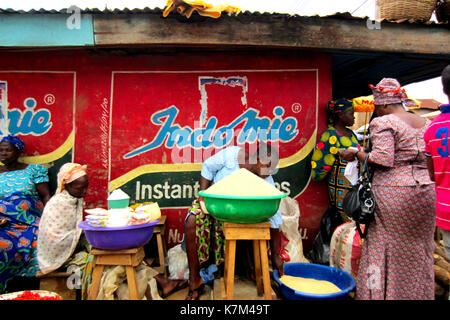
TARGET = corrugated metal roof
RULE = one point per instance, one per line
(157, 10)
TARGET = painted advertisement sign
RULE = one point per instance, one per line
(37, 107)
(205, 112)
(146, 123)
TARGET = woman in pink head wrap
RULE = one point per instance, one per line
(68, 173)
(58, 230)
(397, 256)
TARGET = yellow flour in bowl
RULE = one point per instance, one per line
(308, 285)
(243, 183)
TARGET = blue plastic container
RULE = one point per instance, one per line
(340, 278)
(122, 238)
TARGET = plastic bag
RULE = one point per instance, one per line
(113, 283)
(177, 263)
(320, 251)
(144, 276)
(111, 278)
(292, 246)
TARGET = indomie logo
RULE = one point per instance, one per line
(16, 121)
(29, 121)
(254, 127)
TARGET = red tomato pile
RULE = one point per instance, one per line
(29, 295)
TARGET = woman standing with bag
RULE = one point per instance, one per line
(397, 255)
(326, 162)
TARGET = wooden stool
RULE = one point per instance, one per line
(130, 258)
(259, 233)
(159, 232)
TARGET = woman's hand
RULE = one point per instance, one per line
(348, 154)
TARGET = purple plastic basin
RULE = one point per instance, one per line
(118, 238)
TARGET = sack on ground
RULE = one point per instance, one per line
(144, 276)
(291, 242)
(345, 248)
(177, 263)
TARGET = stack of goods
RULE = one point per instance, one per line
(145, 214)
(441, 272)
(243, 183)
(97, 217)
(129, 216)
(119, 217)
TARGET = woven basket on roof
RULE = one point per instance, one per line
(443, 10)
(406, 9)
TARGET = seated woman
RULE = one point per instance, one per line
(326, 161)
(58, 230)
(198, 225)
(24, 190)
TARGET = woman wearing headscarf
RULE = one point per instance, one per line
(397, 255)
(24, 190)
(326, 161)
(58, 230)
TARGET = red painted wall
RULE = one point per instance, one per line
(120, 104)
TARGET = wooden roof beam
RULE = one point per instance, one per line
(266, 31)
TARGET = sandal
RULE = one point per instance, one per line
(199, 291)
(180, 285)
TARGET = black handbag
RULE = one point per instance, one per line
(359, 202)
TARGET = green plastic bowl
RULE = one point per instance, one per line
(241, 209)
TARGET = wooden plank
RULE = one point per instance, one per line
(115, 259)
(137, 258)
(132, 284)
(95, 285)
(58, 285)
(246, 231)
(246, 225)
(267, 31)
(257, 260)
(265, 270)
(54, 274)
(98, 252)
(247, 234)
(231, 259)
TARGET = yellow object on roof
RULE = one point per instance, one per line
(187, 7)
(367, 104)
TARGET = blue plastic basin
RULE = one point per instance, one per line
(340, 278)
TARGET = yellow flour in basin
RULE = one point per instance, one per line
(243, 183)
(308, 285)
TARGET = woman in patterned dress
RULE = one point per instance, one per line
(24, 191)
(326, 161)
(59, 233)
(397, 255)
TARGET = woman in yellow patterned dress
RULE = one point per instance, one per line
(326, 161)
